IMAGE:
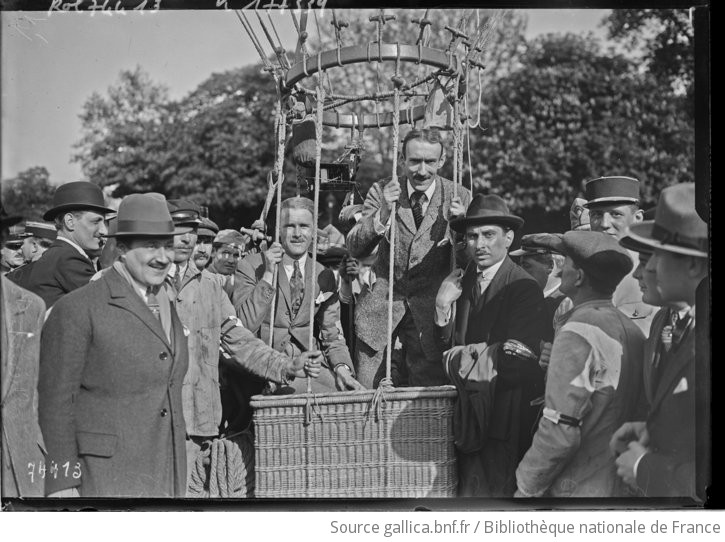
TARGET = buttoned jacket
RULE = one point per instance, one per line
(110, 394)
(422, 260)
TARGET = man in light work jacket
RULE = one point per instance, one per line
(425, 204)
(78, 211)
(594, 376)
(208, 314)
(659, 455)
(297, 285)
(113, 356)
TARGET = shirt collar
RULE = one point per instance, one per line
(490, 272)
(428, 193)
(74, 245)
(289, 263)
(139, 288)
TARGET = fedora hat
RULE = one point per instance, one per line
(6, 220)
(609, 190)
(77, 196)
(676, 227)
(145, 215)
(487, 210)
(630, 244)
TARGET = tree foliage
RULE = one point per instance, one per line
(29, 194)
(572, 113)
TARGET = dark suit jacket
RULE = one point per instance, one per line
(22, 457)
(110, 394)
(252, 300)
(669, 470)
(421, 264)
(512, 307)
(61, 269)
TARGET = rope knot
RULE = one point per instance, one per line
(378, 400)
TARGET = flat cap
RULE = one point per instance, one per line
(539, 243)
(230, 237)
(184, 212)
(609, 190)
(207, 228)
(599, 255)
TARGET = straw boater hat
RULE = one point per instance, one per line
(610, 190)
(77, 196)
(145, 215)
(676, 227)
(487, 210)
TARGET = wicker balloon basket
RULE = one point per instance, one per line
(345, 445)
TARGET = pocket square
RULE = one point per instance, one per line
(681, 386)
(186, 331)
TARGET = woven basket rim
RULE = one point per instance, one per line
(348, 397)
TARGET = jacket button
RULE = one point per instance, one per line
(164, 412)
(163, 356)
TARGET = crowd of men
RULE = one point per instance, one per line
(134, 339)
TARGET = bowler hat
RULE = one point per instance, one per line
(77, 196)
(676, 227)
(184, 212)
(609, 190)
(487, 210)
(145, 215)
(6, 220)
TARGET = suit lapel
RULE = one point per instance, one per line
(123, 296)
(431, 213)
(405, 213)
(675, 362)
(465, 303)
(652, 346)
(283, 286)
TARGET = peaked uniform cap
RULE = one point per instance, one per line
(184, 212)
(44, 230)
(598, 254)
(676, 227)
(609, 190)
(77, 196)
(490, 209)
(145, 215)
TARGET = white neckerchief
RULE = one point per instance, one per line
(553, 289)
(428, 194)
(485, 276)
(289, 265)
(74, 245)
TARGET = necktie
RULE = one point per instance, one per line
(297, 289)
(680, 328)
(416, 200)
(177, 279)
(153, 302)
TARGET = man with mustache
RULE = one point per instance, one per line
(495, 302)
(202, 252)
(113, 356)
(11, 254)
(206, 311)
(78, 212)
(298, 283)
(422, 259)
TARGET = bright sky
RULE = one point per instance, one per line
(52, 62)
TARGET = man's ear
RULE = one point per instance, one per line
(638, 216)
(580, 278)
(69, 221)
(509, 235)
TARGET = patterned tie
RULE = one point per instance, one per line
(416, 204)
(297, 289)
(153, 302)
(177, 279)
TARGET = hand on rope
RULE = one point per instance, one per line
(272, 256)
(391, 193)
(307, 364)
(457, 208)
(450, 290)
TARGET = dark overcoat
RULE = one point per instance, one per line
(22, 456)
(61, 269)
(110, 394)
(512, 307)
(669, 470)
